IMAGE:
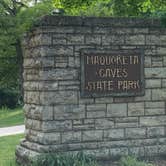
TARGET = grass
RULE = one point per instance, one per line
(7, 156)
(11, 117)
(132, 161)
(7, 150)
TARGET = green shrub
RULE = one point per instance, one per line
(131, 161)
(78, 159)
(9, 98)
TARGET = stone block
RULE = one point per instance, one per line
(32, 97)
(33, 124)
(55, 51)
(151, 150)
(82, 30)
(162, 149)
(59, 74)
(59, 97)
(78, 127)
(157, 61)
(59, 29)
(49, 138)
(135, 40)
(98, 153)
(153, 83)
(48, 86)
(150, 50)
(126, 124)
(140, 30)
(112, 134)
(101, 30)
(78, 122)
(38, 112)
(38, 62)
(164, 83)
(96, 114)
(153, 40)
(146, 97)
(92, 135)
(147, 61)
(118, 152)
(164, 61)
(58, 39)
(161, 51)
(57, 126)
(96, 107)
(121, 30)
(136, 151)
(71, 137)
(123, 99)
(117, 110)
(103, 100)
(31, 85)
(153, 121)
(86, 101)
(71, 62)
(155, 72)
(155, 104)
(158, 94)
(76, 39)
(112, 39)
(154, 111)
(32, 77)
(126, 119)
(61, 59)
(135, 132)
(155, 131)
(89, 121)
(93, 39)
(32, 52)
(40, 40)
(104, 123)
(77, 62)
(69, 112)
(135, 109)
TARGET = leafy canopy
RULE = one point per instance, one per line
(123, 8)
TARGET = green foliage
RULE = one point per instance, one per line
(123, 8)
(9, 98)
(26, 18)
(16, 17)
(7, 150)
(11, 117)
(8, 60)
(78, 159)
(131, 161)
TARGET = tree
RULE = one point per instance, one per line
(123, 8)
(16, 17)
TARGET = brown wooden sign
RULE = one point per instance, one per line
(112, 73)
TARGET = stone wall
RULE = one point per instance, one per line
(59, 120)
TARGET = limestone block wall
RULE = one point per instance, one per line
(58, 119)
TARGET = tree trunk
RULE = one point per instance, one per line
(20, 65)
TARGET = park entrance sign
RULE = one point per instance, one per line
(112, 73)
(96, 85)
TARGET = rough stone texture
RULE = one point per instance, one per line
(58, 119)
(135, 109)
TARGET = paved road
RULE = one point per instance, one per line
(12, 130)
